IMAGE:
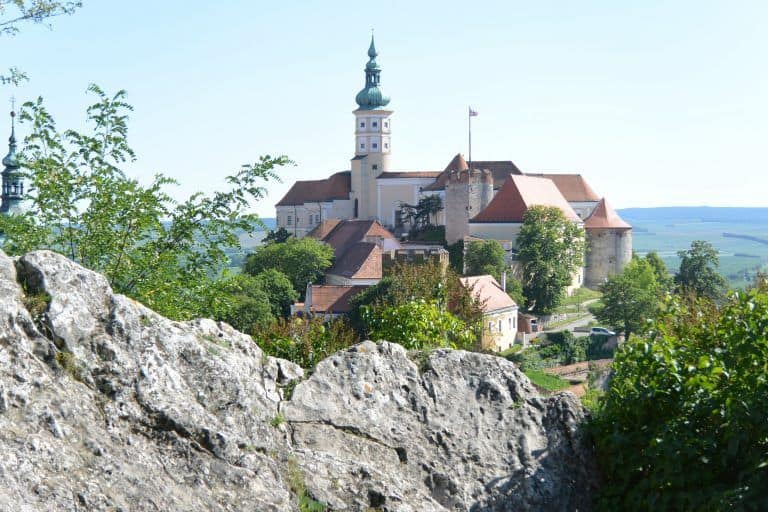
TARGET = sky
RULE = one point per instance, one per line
(655, 103)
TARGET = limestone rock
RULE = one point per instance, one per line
(105, 405)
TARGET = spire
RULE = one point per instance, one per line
(10, 160)
(371, 97)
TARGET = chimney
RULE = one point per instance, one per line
(504, 280)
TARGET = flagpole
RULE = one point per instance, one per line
(469, 122)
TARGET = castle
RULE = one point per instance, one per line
(481, 200)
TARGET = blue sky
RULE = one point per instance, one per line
(656, 103)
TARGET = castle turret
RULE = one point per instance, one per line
(467, 193)
(373, 130)
(609, 244)
(486, 188)
(13, 184)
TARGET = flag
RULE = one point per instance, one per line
(472, 113)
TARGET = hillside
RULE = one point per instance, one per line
(737, 233)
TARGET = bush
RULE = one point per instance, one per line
(684, 425)
(595, 348)
(547, 381)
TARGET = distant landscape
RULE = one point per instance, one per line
(740, 234)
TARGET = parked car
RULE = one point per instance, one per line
(602, 331)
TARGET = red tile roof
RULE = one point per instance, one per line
(360, 261)
(333, 299)
(337, 186)
(573, 186)
(605, 217)
(323, 229)
(488, 292)
(407, 174)
(520, 193)
(349, 232)
(501, 169)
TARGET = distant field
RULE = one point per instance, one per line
(739, 234)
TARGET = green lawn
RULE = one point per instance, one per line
(547, 381)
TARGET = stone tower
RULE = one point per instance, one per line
(467, 193)
(609, 244)
(373, 145)
(13, 184)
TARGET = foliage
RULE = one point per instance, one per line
(304, 341)
(630, 299)
(303, 260)
(456, 256)
(241, 301)
(550, 249)
(295, 480)
(547, 381)
(663, 278)
(279, 290)
(421, 215)
(581, 295)
(278, 236)
(596, 348)
(515, 290)
(698, 274)
(684, 425)
(486, 257)
(411, 281)
(81, 204)
(417, 325)
(428, 234)
(35, 11)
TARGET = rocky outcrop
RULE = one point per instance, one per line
(105, 405)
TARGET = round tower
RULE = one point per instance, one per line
(486, 189)
(609, 244)
(373, 144)
(465, 194)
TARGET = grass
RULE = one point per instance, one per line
(554, 325)
(278, 420)
(295, 480)
(581, 295)
(546, 381)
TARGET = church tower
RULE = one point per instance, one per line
(373, 145)
(13, 185)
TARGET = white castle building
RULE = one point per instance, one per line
(482, 200)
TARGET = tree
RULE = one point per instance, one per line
(278, 236)
(630, 299)
(242, 302)
(303, 260)
(81, 204)
(683, 424)
(550, 250)
(698, 274)
(418, 325)
(663, 277)
(422, 213)
(15, 12)
(486, 257)
(279, 290)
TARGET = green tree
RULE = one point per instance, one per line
(422, 213)
(278, 236)
(698, 271)
(550, 250)
(15, 12)
(664, 279)
(631, 298)
(684, 424)
(151, 248)
(242, 302)
(303, 260)
(279, 290)
(418, 325)
(486, 257)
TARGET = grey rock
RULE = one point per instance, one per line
(106, 405)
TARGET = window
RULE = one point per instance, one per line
(375, 145)
(362, 146)
(510, 324)
(362, 125)
(375, 167)
(289, 220)
(499, 325)
(386, 145)
(490, 326)
(386, 124)
(375, 124)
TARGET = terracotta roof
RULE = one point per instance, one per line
(361, 261)
(407, 174)
(573, 186)
(323, 229)
(605, 217)
(520, 193)
(337, 186)
(488, 292)
(500, 169)
(333, 299)
(349, 232)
